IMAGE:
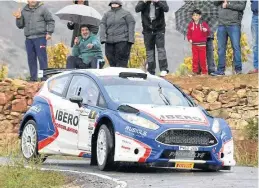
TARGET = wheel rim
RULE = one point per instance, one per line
(28, 141)
(101, 147)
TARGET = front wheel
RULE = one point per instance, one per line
(29, 143)
(105, 148)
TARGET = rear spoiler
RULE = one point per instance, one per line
(51, 71)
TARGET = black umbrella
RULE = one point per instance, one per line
(183, 16)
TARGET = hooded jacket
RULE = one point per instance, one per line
(233, 14)
(80, 50)
(117, 25)
(157, 25)
(196, 34)
(36, 22)
(254, 7)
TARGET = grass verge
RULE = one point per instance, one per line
(18, 176)
(246, 152)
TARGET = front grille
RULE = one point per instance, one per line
(187, 138)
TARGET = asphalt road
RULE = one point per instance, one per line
(141, 177)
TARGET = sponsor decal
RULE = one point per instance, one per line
(67, 118)
(180, 118)
(125, 147)
(36, 108)
(69, 129)
(184, 165)
(92, 114)
(135, 131)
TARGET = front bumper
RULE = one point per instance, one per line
(129, 148)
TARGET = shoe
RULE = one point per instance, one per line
(255, 71)
(163, 73)
(217, 73)
(238, 72)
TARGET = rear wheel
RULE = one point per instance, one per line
(29, 143)
(105, 148)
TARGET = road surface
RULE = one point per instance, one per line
(141, 177)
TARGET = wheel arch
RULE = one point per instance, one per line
(24, 121)
(103, 120)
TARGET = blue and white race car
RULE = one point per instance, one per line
(117, 115)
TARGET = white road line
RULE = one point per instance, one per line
(120, 184)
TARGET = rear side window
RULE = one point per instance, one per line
(57, 85)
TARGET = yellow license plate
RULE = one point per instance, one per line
(184, 165)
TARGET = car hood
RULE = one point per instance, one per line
(174, 114)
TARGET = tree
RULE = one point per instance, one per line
(57, 55)
(138, 53)
(3, 71)
(186, 66)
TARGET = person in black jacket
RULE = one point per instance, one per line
(76, 27)
(153, 22)
(117, 31)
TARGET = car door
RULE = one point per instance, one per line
(65, 113)
(84, 86)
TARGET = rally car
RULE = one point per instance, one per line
(116, 115)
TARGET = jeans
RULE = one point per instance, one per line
(234, 33)
(210, 55)
(254, 28)
(36, 49)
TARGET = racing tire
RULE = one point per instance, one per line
(29, 143)
(105, 148)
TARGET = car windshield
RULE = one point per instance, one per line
(139, 91)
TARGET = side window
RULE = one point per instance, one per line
(84, 87)
(101, 102)
(57, 85)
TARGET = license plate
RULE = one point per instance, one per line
(184, 165)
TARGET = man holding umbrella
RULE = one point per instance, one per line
(86, 52)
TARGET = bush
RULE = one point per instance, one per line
(252, 129)
(138, 53)
(57, 55)
(3, 71)
(186, 66)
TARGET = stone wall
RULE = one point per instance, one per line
(15, 98)
(232, 98)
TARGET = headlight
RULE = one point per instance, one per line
(139, 121)
(216, 126)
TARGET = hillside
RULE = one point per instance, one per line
(12, 50)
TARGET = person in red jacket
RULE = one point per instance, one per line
(197, 34)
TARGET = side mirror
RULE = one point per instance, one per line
(77, 99)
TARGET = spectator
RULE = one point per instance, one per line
(153, 22)
(117, 31)
(254, 28)
(230, 18)
(76, 27)
(38, 26)
(198, 32)
(210, 53)
(86, 52)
